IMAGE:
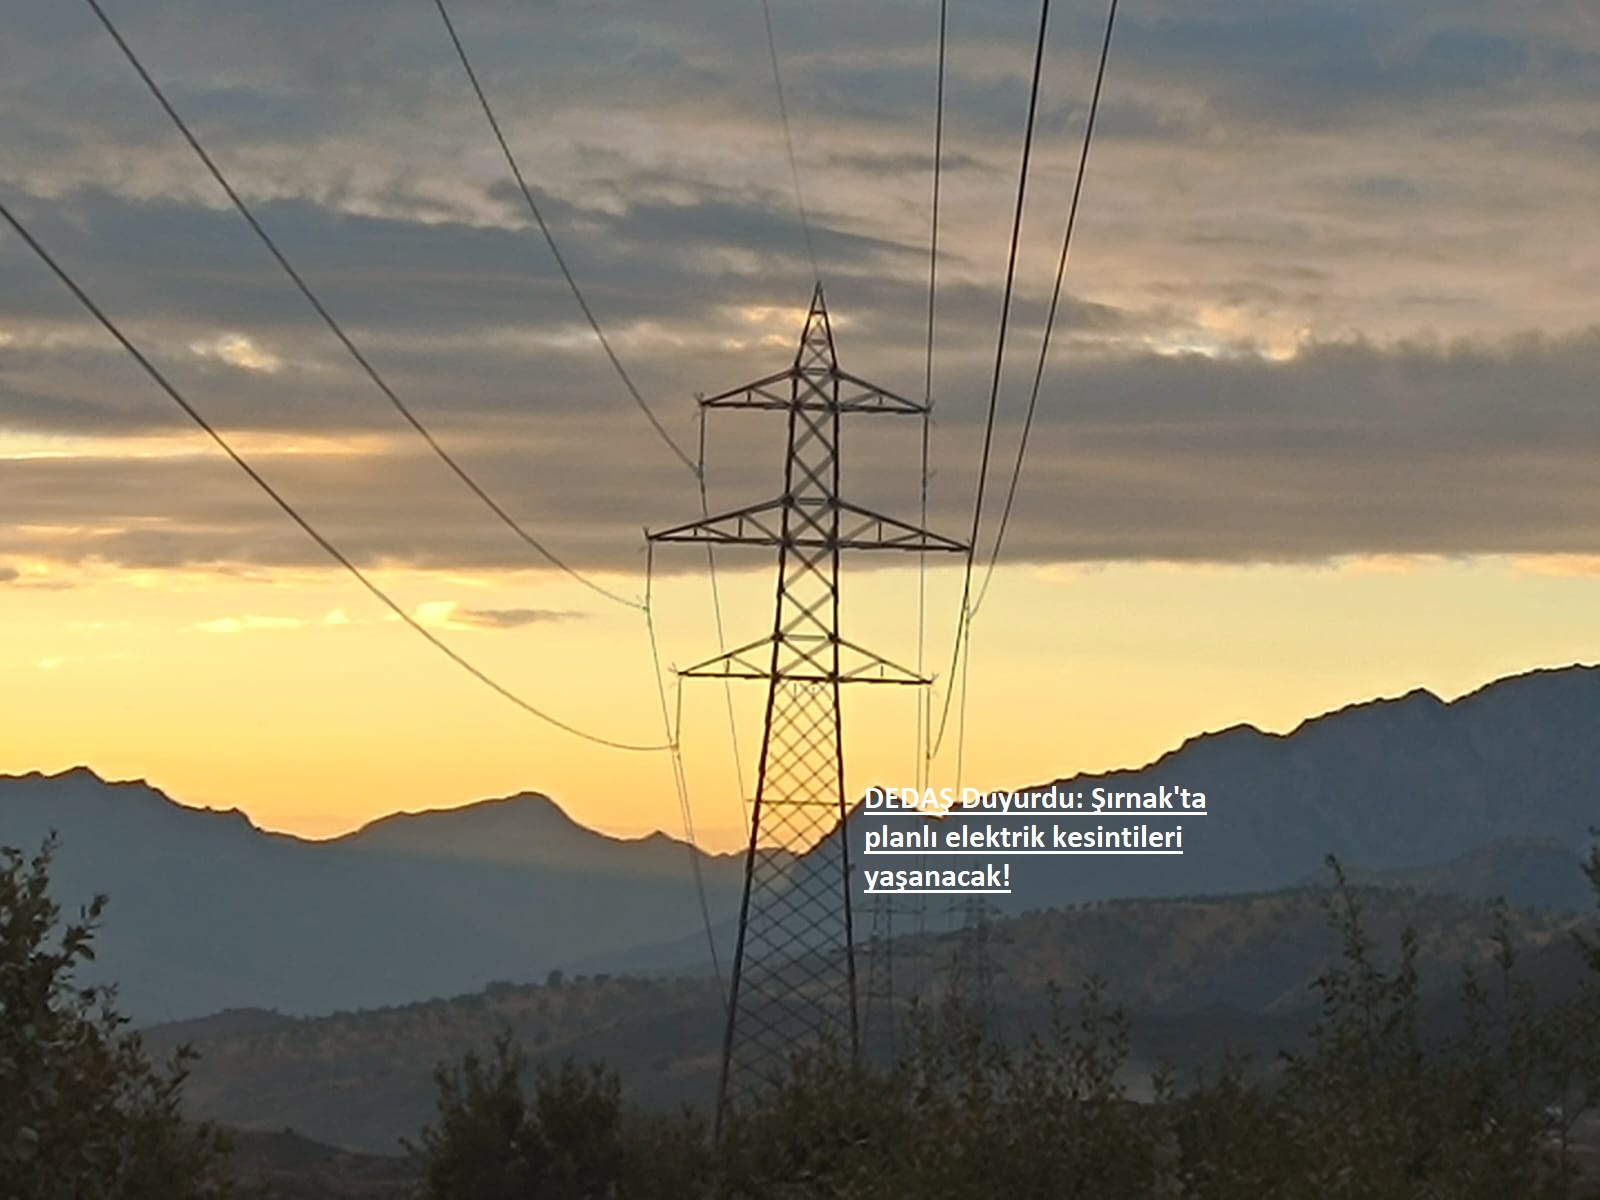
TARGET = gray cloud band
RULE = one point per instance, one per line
(1344, 450)
(1268, 176)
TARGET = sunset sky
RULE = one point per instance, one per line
(1321, 422)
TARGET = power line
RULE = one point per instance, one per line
(1055, 299)
(883, 947)
(677, 764)
(555, 251)
(963, 629)
(680, 778)
(788, 142)
(924, 700)
(289, 510)
(722, 637)
(333, 325)
(933, 222)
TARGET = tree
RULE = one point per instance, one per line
(1394, 1094)
(1379, 1104)
(569, 1139)
(83, 1110)
(959, 1114)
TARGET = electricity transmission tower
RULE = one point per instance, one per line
(897, 970)
(972, 971)
(794, 976)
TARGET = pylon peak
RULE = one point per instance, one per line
(816, 339)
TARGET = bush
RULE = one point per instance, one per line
(1377, 1105)
(83, 1111)
(570, 1139)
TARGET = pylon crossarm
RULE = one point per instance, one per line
(887, 671)
(759, 394)
(735, 664)
(759, 525)
(732, 528)
(808, 660)
(889, 534)
(874, 398)
(804, 389)
(799, 665)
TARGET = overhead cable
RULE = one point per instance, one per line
(965, 614)
(722, 637)
(289, 509)
(1055, 299)
(924, 700)
(334, 326)
(555, 250)
(680, 780)
(788, 142)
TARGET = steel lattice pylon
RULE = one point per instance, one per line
(897, 971)
(794, 976)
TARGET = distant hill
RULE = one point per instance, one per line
(1490, 795)
(208, 912)
(1493, 792)
(1198, 975)
(1387, 786)
(362, 1080)
(1536, 872)
(528, 830)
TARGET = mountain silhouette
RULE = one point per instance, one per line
(525, 830)
(1390, 786)
(208, 912)
(1497, 789)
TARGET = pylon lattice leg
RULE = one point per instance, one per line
(796, 978)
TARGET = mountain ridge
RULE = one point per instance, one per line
(83, 771)
(210, 912)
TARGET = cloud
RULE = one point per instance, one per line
(1560, 566)
(1285, 203)
(36, 579)
(510, 618)
(1343, 449)
(1389, 564)
(248, 623)
(448, 614)
(237, 350)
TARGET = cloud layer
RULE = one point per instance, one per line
(1331, 294)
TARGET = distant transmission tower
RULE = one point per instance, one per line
(972, 970)
(794, 975)
(897, 969)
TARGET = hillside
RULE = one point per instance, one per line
(208, 912)
(1389, 785)
(1488, 794)
(1197, 973)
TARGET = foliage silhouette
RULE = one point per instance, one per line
(83, 1111)
(1382, 1102)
